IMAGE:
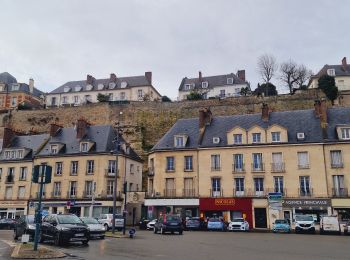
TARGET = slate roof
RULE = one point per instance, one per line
(7, 78)
(10, 83)
(133, 81)
(294, 121)
(101, 135)
(213, 81)
(339, 70)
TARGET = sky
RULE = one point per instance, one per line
(58, 41)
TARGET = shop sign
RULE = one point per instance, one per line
(306, 203)
(275, 200)
(226, 202)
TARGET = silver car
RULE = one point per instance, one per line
(97, 230)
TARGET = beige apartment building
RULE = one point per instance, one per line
(229, 165)
(83, 161)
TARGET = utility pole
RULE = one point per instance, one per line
(125, 192)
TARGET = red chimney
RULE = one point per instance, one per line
(323, 113)
(344, 64)
(241, 74)
(82, 126)
(113, 78)
(9, 134)
(148, 76)
(265, 112)
(54, 129)
(200, 76)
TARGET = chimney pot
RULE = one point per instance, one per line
(81, 128)
(113, 78)
(344, 64)
(200, 76)
(148, 76)
(9, 134)
(31, 85)
(265, 112)
(241, 74)
(54, 128)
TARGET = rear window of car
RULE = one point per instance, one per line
(172, 218)
(89, 220)
(281, 221)
(304, 218)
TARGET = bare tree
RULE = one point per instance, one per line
(289, 74)
(267, 67)
(304, 74)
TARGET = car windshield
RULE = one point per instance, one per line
(304, 218)
(281, 221)
(238, 220)
(68, 219)
(172, 218)
(214, 220)
(89, 221)
(30, 219)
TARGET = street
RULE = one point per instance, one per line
(206, 245)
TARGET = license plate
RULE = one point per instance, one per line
(79, 235)
(173, 224)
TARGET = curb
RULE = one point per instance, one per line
(37, 255)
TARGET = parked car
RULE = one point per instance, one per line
(24, 225)
(330, 224)
(107, 220)
(194, 223)
(304, 223)
(97, 230)
(239, 224)
(347, 228)
(150, 225)
(7, 223)
(168, 223)
(216, 224)
(64, 228)
(281, 225)
(143, 223)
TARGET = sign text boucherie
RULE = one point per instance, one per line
(219, 202)
(306, 203)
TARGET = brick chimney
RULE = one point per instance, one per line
(31, 85)
(148, 76)
(265, 113)
(344, 64)
(90, 80)
(200, 78)
(317, 106)
(81, 128)
(113, 78)
(54, 129)
(323, 118)
(8, 136)
(205, 118)
(241, 74)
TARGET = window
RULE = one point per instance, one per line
(237, 138)
(53, 101)
(74, 167)
(110, 187)
(72, 189)
(278, 184)
(76, 99)
(215, 162)
(132, 168)
(110, 96)
(57, 189)
(256, 137)
(303, 160)
(8, 193)
(65, 100)
(122, 95)
(345, 133)
(257, 162)
(7, 155)
(170, 164)
(205, 84)
(239, 186)
(54, 149)
(222, 93)
(13, 154)
(276, 137)
(331, 72)
(90, 165)
(238, 165)
(59, 168)
(21, 192)
(336, 159)
(89, 188)
(304, 186)
(259, 186)
(169, 187)
(140, 93)
(338, 186)
(10, 175)
(20, 154)
(188, 187)
(13, 101)
(111, 166)
(0, 173)
(216, 187)
(188, 163)
(187, 86)
(179, 141)
(277, 164)
(66, 89)
(87, 98)
(23, 173)
(229, 81)
(84, 147)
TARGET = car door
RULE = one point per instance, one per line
(51, 228)
(44, 226)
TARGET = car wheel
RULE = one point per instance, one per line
(57, 240)
(86, 242)
(102, 237)
(106, 227)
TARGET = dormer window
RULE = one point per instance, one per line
(229, 81)
(15, 87)
(187, 86)
(20, 154)
(89, 87)
(100, 86)
(331, 72)
(256, 137)
(84, 147)
(205, 84)
(7, 155)
(54, 149)
(179, 141)
(276, 137)
(124, 84)
(237, 138)
(77, 88)
(66, 89)
(111, 85)
(345, 133)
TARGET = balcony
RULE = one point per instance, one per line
(87, 194)
(340, 193)
(278, 167)
(150, 171)
(303, 166)
(109, 195)
(216, 169)
(71, 195)
(189, 193)
(240, 193)
(56, 194)
(9, 179)
(337, 165)
(170, 169)
(305, 192)
(216, 193)
(188, 169)
(109, 173)
(258, 167)
(169, 193)
(238, 168)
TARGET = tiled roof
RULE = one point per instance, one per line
(297, 121)
(7, 78)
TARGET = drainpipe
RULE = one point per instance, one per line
(325, 171)
(198, 179)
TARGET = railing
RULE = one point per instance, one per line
(109, 195)
(111, 173)
(215, 193)
(337, 165)
(87, 194)
(239, 193)
(283, 191)
(170, 169)
(188, 169)
(216, 168)
(9, 179)
(72, 173)
(305, 193)
(238, 168)
(303, 166)
(277, 167)
(71, 196)
(56, 194)
(189, 193)
(340, 192)
(169, 193)
(150, 171)
(258, 167)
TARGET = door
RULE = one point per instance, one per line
(286, 215)
(260, 217)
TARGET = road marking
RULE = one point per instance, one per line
(9, 242)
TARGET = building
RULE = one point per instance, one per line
(221, 86)
(75, 93)
(83, 161)
(228, 165)
(14, 94)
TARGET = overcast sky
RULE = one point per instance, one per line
(63, 40)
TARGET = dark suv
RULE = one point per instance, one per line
(168, 223)
(25, 225)
(64, 228)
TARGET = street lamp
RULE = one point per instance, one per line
(116, 150)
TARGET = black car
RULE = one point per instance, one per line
(168, 223)
(25, 225)
(7, 223)
(143, 223)
(64, 228)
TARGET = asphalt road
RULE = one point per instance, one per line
(208, 245)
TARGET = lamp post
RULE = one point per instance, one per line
(125, 192)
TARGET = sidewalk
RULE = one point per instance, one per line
(25, 251)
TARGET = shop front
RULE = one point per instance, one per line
(183, 207)
(13, 209)
(227, 208)
(341, 207)
(314, 207)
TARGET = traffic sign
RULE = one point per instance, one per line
(42, 173)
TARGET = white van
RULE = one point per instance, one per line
(329, 224)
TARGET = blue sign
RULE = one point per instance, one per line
(45, 213)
